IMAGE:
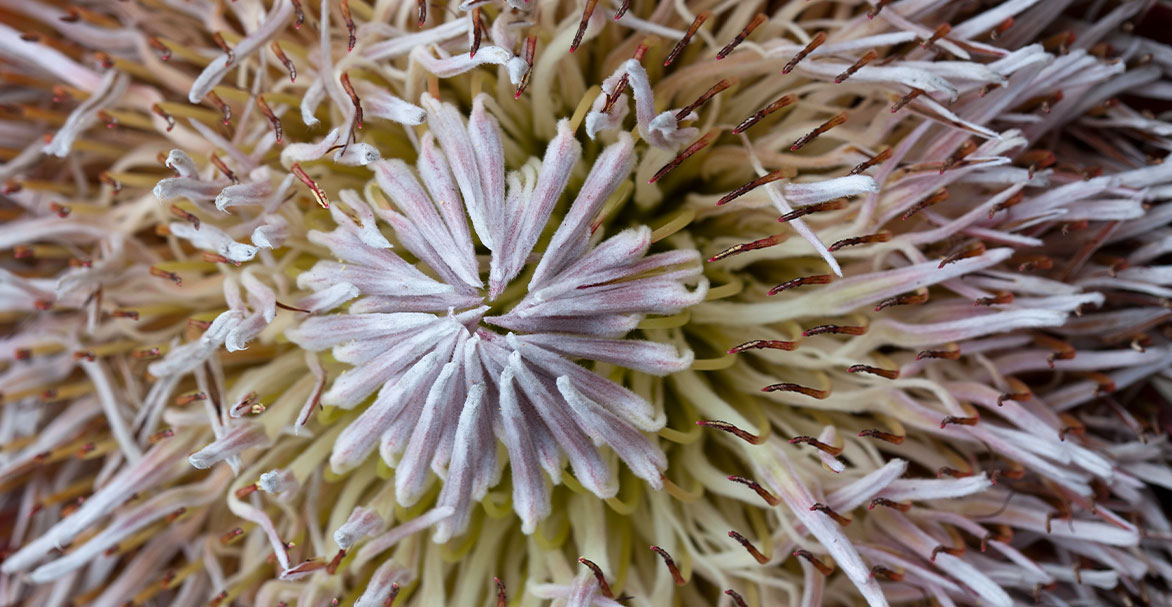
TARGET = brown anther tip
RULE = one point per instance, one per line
(936, 198)
(421, 8)
(671, 565)
(789, 387)
(946, 550)
(867, 57)
(814, 43)
(822, 568)
(756, 21)
(883, 236)
(602, 585)
(906, 99)
(744, 541)
(824, 509)
(679, 47)
(953, 420)
(736, 597)
(894, 439)
(696, 146)
(284, 59)
(834, 330)
(813, 442)
(882, 501)
(744, 247)
(762, 180)
(939, 354)
(817, 279)
(267, 112)
(332, 567)
(999, 298)
(970, 251)
(477, 28)
(131, 314)
(952, 472)
(246, 490)
(769, 498)
(744, 435)
(829, 205)
(888, 574)
(173, 277)
(763, 112)
(704, 97)
(586, 13)
(885, 373)
(218, 38)
(501, 597)
(940, 32)
(622, 10)
(291, 308)
(345, 6)
(319, 195)
(837, 120)
(759, 344)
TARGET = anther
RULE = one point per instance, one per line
(131, 314)
(284, 59)
(173, 277)
(906, 99)
(300, 15)
(1001, 28)
(762, 180)
(164, 52)
(756, 21)
(290, 308)
(744, 435)
(867, 57)
(104, 60)
(936, 198)
(953, 420)
(354, 98)
(272, 118)
(946, 550)
(345, 6)
(224, 108)
(165, 116)
(530, 50)
(972, 250)
(874, 12)
(145, 353)
(219, 40)
(817, 279)
(477, 32)
(30, 37)
(813, 442)
(613, 96)
(11, 187)
(744, 541)
(1071, 425)
(822, 568)
(736, 597)
(106, 117)
(1059, 43)
(60, 210)
(998, 298)
(671, 565)
(421, 11)
(175, 514)
(883, 236)
(1062, 350)
(210, 257)
(878, 158)
(886, 503)
(332, 567)
(763, 243)
(679, 47)
(788, 387)
(814, 43)
(85, 354)
(186, 399)
(231, 535)
(938, 354)
(223, 168)
(763, 112)
(952, 472)
(602, 585)
(1030, 263)
(885, 373)
(829, 205)
(888, 574)
(769, 498)
(700, 144)
(390, 600)
(940, 32)
(759, 344)
(709, 94)
(812, 135)
(246, 490)
(586, 13)
(622, 9)
(318, 194)
(106, 179)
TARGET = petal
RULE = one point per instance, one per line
(646, 356)
(530, 496)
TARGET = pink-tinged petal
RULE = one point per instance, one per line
(348, 246)
(609, 260)
(530, 495)
(417, 243)
(866, 488)
(379, 365)
(437, 177)
(321, 332)
(395, 178)
(495, 359)
(111, 89)
(367, 227)
(447, 125)
(588, 465)
(415, 303)
(362, 522)
(646, 356)
(371, 280)
(240, 437)
(641, 455)
(328, 298)
(254, 193)
(386, 579)
(531, 215)
(612, 325)
(361, 435)
(802, 194)
(935, 489)
(395, 535)
(211, 75)
(485, 136)
(460, 63)
(648, 296)
(469, 445)
(413, 468)
(813, 584)
(377, 102)
(573, 235)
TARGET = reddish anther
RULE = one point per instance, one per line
(829, 205)
(267, 112)
(501, 597)
(814, 43)
(744, 541)
(817, 279)
(998, 298)
(736, 597)
(300, 15)
(913, 299)
(173, 277)
(883, 236)
(744, 435)
(886, 503)
(602, 585)
(353, 99)
(763, 112)
(164, 52)
(756, 21)
(838, 119)
(813, 442)
(885, 373)
(698, 145)
(477, 31)
(788, 387)
(888, 574)
(938, 354)
(906, 99)
(867, 57)
(284, 59)
(225, 109)
(319, 195)
(679, 47)
(345, 6)
(759, 344)
(822, 568)
(936, 198)
(769, 498)
(530, 51)
(709, 94)
(762, 243)
(219, 40)
(824, 509)
(953, 420)
(878, 158)
(940, 32)
(760, 181)
(671, 565)
(223, 168)
(972, 250)
(586, 13)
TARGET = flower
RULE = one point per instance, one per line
(876, 286)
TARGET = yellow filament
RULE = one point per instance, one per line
(714, 364)
(666, 322)
(673, 225)
(734, 286)
(584, 107)
(50, 186)
(179, 50)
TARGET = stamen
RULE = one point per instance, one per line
(671, 565)
(884, 572)
(709, 94)
(353, 98)
(867, 57)
(684, 155)
(936, 198)
(769, 498)
(826, 126)
(219, 40)
(231, 535)
(952, 472)
(622, 9)
(972, 250)
(268, 113)
(179, 213)
(814, 43)
(161, 435)
(744, 435)
(1062, 350)
(164, 52)
(1001, 28)
(245, 491)
(829, 205)
(763, 243)
(530, 51)
(1059, 43)
(785, 173)
(939, 354)
(940, 32)
(60, 210)
(280, 53)
(947, 550)
(757, 20)
(186, 399)
(586, 12)
(787, 387)
(345, 6)
(965, 149)
(421, 8)
(817, 279)
(219, 164)
(291, 308)
(477, 26)
(822, 568)
(173, 277)
(300, 15)
(763, 112)
(220, 105)
(114, 184)
(679, 47)
(623, 81)
(1000, 297)
(104, 59)
(1035, 262)
(602, 585)
(501, 597)
(744, 541)
(1020, 391)
(885, 373)
(737, 598)
(332, 567)
(1071, 426)
(882, 501)
(821, 446)
(318, 194)
(906, 99)
(824, 509)
(390, 600)
(758, 344)
(952, 420)
(878, 158)
(883, 236)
